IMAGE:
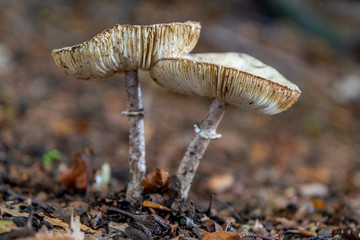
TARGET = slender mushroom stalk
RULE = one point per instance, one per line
(204, 134)
(231, 78)
(127, 48)
(135, 113)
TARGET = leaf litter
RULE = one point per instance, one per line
(292, 181)
(100, 215)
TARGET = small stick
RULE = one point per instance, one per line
(204, 134)
(133, 216)
(136, 135)
(209, 211)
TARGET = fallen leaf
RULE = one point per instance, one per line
(156, 181)
(211, 226)
(319, 203)
(302, 232)
(221, 235)
(6, 226)
(220, 182)
(69, 126)
(285, 223)
(58, 222)
(53, 221)
(314, 174)
(80, 175)
(74, 233)
(155, 205)
(13, 212)
(117, 227)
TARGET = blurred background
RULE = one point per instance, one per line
(314, 43)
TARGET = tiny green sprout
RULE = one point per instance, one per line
(51, 155)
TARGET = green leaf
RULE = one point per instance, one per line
(6, 226)
(50, 156)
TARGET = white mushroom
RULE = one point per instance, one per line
(127, 48)
(228, 78)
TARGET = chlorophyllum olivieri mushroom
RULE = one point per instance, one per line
(127, 48)
(228, 78)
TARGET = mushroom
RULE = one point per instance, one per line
(228, 78)
(127, 48)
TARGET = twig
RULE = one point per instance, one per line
(133, 216)
(209, 211)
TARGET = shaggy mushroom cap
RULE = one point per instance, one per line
(127, 48)
(236, 78)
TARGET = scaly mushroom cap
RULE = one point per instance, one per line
(127, 48)
(236, 78)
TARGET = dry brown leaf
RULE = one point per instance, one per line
(211, 225)
(53, 221)
(319, 203)
(156, 181)
(155, 205)
(221, 235)
(12, 212)
(285, 223)
(307, 233)
(314, 174)
(68, 126)
(60, 223)
(72, 234)
(80, 173)
(220, 182)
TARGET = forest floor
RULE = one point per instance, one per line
(290, 176)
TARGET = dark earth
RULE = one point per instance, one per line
(289, 176)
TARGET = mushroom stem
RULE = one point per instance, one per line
(136, 135)
(204, 134)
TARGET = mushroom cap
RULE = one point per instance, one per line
(126, 48)
(236, 78)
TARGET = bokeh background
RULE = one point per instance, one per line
(314, 43)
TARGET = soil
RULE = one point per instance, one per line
(289, 176)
